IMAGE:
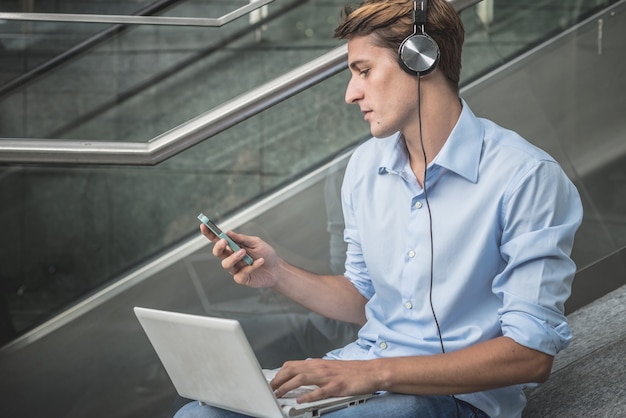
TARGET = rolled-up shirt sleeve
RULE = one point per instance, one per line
(540, 215)
(356, 269)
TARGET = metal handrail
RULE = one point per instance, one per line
(184, 136)
(137, 20)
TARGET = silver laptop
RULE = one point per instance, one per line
(210, 360)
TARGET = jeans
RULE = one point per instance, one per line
(386, 405)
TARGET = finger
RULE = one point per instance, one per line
(315, 395)
(287, 371)
(246, 241)
(221, 249)
(231, 260)
(242, 272)
(287, 386)
(289, 377)
(207, 233)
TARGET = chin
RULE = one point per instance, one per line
(380, 130)
(380, 133)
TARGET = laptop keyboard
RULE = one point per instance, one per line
(297, 392)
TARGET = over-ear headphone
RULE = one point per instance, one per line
(419, 53)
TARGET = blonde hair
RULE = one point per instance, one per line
(391, 21)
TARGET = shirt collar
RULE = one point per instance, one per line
(397, 159)
(460, 154)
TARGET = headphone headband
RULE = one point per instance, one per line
(418, 53)
(419, 15)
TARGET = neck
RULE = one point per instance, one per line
(440, 112)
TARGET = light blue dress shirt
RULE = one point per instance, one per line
(504, 215)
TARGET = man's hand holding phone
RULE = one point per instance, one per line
(222, 235)
(236, 260)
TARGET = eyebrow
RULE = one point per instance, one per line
(355, 65)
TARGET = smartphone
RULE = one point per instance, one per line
(219, 233)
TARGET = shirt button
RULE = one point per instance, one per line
(383, 345)
(411, 254)
(418, 205)
(408, 305)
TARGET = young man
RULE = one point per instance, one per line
(459, 234)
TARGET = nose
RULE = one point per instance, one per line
(353, 91)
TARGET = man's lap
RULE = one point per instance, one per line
(395, 405)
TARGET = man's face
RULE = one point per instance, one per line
(385, 93)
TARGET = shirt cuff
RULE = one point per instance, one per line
(532, 332)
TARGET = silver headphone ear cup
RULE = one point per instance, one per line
(418, 54)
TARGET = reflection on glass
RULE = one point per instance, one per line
(70, 230)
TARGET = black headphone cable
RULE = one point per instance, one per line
(430, 219)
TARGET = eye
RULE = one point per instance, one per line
(364, 72)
